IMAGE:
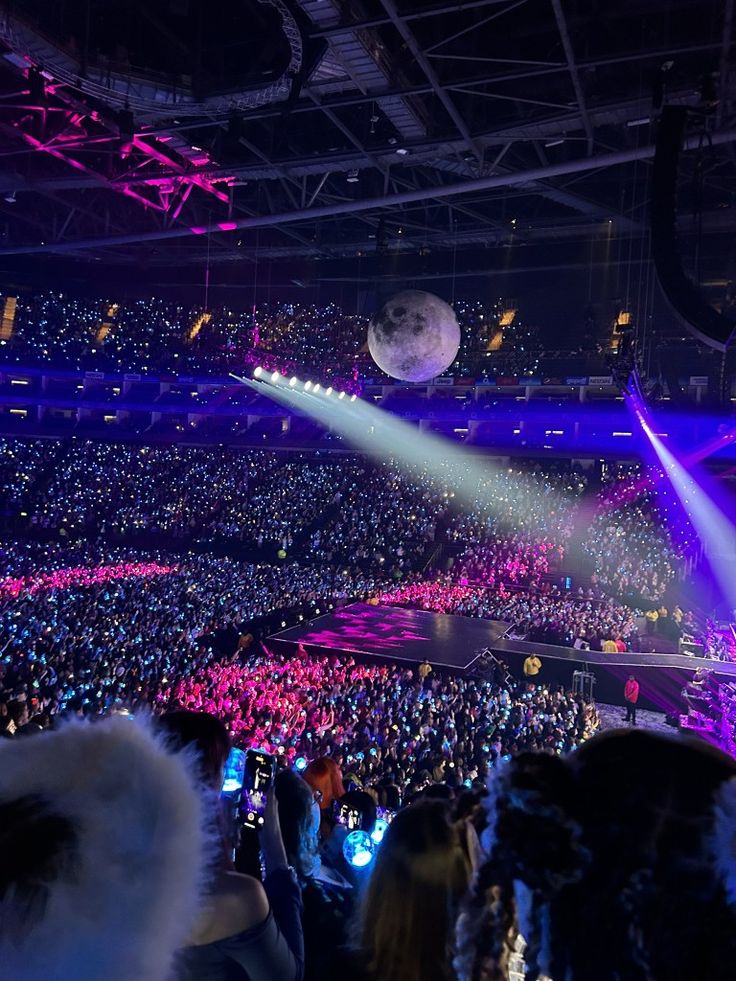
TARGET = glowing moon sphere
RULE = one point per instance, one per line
(414, 337)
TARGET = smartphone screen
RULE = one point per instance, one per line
(234, 772)
(348, 816)
(257, 780)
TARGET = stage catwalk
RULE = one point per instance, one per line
(398, 635)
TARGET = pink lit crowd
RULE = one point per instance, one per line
(88, 622)
(150, 637)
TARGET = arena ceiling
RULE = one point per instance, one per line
(166, 133)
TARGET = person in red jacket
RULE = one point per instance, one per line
(631, 697)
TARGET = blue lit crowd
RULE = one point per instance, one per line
(139, 586)
(117, 603)
(155, 335)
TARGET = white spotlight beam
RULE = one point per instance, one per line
(441, 465)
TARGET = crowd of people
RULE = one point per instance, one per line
(114, 658)
(517, 530)
(380, 724)
(155, 335)
(507, 530)
(127, 854)
(635, 556)
(533, 499)
(510, 559)
(89, 641)
(346, 506)
(188, 493)
(382, 518)
(89, 628)
(547, 616)
(499, 833)
(256, 497)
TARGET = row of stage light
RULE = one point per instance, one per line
(308, 386)
(383, 435)
(443, 466)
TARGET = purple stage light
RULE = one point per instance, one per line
(713, 523)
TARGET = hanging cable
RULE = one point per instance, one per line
(207, 269)
(454, 256)
(256, 337)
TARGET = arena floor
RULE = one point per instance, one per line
(613, 717)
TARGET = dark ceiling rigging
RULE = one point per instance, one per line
(470, 125)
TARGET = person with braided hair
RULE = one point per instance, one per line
(615, 863)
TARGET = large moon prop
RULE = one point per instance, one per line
(414, 337)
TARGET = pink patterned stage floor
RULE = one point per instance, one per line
(391, 633)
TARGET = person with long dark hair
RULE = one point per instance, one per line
(246, 930)
(327, 899)
(615, 863)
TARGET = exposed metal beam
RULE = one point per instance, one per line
(474, 26)
(490, 60)
(437, 154)
(426, 66)
(368, 157)
(315, 193)
(718, 223)
(515, 178)
(573, 69)
(726, 41)
(447, 8)
(371, 158)
(375, 95)
(480, 94)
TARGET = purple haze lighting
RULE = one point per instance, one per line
(713, 525)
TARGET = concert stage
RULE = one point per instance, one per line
(453, 643)
(397, 635)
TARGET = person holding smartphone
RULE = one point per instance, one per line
(247, 930)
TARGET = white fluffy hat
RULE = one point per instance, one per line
(128, 897)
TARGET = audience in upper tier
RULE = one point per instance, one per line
(160, 336)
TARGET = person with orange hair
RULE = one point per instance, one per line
(325, 778)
